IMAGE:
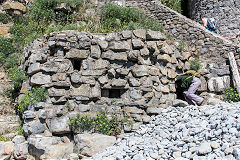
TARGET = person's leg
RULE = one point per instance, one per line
(189, 101)
(190, 93)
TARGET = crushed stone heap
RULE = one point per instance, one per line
(182, 133)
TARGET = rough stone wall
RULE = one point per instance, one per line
(226, 12)
(212, 47)
(129, 73)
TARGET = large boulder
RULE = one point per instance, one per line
(42, 147)
(90, 144)
(218, 84)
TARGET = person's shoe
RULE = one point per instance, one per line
(203, 102)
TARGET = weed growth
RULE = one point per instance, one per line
(101, 123)
(195, 64)
(2, 138)
(231, 95)
(68, 106)
(5, 18)
(37, 94)
(20, 128)
(173, 4)
(181, 46)
(16, 75)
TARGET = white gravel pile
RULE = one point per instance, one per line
(181, 133)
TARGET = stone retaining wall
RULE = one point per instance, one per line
(226, 12)
(212, 47)
(129, 73)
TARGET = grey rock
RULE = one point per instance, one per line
(204, 148)
(40, 79)
(122, 56)
(34, 127)
(93, 72)
(59, 125)
(43, 147)
(136, 94)
(90, 144)
(126, 34)
(166, 49)
(38, 57)
(140, 33)
(101, 64)
(77, 54)
(34, 68)
(103, 44)
(133, 55)
(236, 153)
(54, 92)
(20, 151)
(120, 46)
(39, 105)
(155, 35)
(18, 139)
(83, 90)
(137, 44)
(96, 92)
(134, 82)
(179, 103)
(29, 115)
(118, 83)
(154, 110)
(42, 114)
(73, 156)
(144, 52)
(95, 51)
(213, 101)
(218, 84)
(215, 145)
(140, 71)
(83, 108)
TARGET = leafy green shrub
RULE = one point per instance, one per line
(181, 45)
(195, 64)
(68, 106)
(2, 138)
(231, 95)
(114, 16)
(12, 60)
(173, 4)
(20, 128)
(101, 124)
(37, 94)
(106, 125)
(5, 18)
(82, 123)
(6, 48)
(16, 75)
(44, 10)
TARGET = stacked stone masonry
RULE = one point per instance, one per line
(212, 47)
(226, 13)
(129, 73)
